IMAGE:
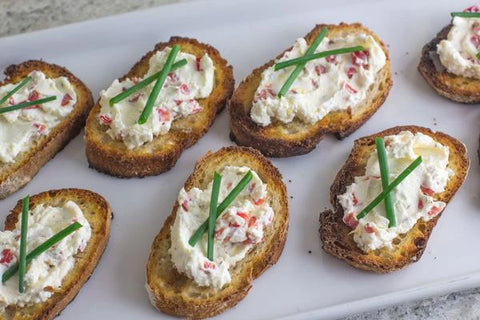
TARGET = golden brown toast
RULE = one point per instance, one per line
(448, 85)
(336, 235)
(97, 211)
(113, 157)
(175, 293)
(14, 176)
(297, 137)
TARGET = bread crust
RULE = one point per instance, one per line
(14, 176)
(297, 138)
(98, 213)
(112, 156)
(446, 84)
(408, 248)
(176, 294)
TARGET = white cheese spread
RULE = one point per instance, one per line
(334, 83)
(239, 228)
(20, 128)
(412, 198)
(45, 273)
(458, 53)
(177, 98)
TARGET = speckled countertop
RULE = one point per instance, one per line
(17, 16)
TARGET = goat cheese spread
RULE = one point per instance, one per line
(334, 83)
(240, 227)
(412, 198)
(44, 273)
(177, 98)
(458, 53)
(20, 128)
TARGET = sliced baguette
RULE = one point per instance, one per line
(14, 176)
(446, 84)
(113, 157)
(175, 293)
(336, 235)
(296, 138)
(97, 211)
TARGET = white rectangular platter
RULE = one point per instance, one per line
(248, 33)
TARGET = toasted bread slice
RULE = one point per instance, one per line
(97, 211)
(408, 247)
(175, 293)
(15, 175)
(448, 85)
(297, 137)
(113, 157)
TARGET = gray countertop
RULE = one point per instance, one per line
(17, 16)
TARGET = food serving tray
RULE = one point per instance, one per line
(306, 283)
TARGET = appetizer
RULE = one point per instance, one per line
(229, 225)
(390, 194)
(451, 61)
(331, 81)
(169, 99)
(51, 244)
(42, 107)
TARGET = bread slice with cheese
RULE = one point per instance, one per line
(446, 84)
(113, 157)
(15, 175)
(98, 213)
(407, 248)
(176, 294)
(296, 138)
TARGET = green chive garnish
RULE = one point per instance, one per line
(27, 104)
(384, 174)
(390, 187)
(223, 205)
(478, 55)
(465, 14)
(308, 57)
(162, 75)
(286, 86)
(42, 248)
(212, 214)
(22, 260)
(145, 82)
(18, 87)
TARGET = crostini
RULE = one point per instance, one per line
(142, 123)
(185, 278)
(66, 233)
(286, 110)
(424, 170)
(42, 107)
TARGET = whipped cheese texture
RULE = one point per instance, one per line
(177, 98)
(458, 53)
(334, 83)
(19, 129)
(45, 273)
(412, 198)
(239, 228)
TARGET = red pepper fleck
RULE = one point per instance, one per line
(331, 59)
(350, 72)
(67, 98)
(229, 185)
(40, 127)
(11, 101)
(259, 201)
(252, 221)
(320, 69)
(472, 9)
(7, 256)
(243, 215)
(354, 199)
(427, 191)
(475, 39)
(293, 91)
(185, 205)
(135, 98)
(251, 187)
(369, 229)
(105, 119)
(314, 84)
(33, 95)
(197, 62)
(420, 204)
(209, 265)
(219, 231)
(48, 289)
(163, 114)
(178, 102)
(350, 88)
(434, 211)
(360, 58)
(351, 221)
(184, 89)
(233, 225)
(173, 76)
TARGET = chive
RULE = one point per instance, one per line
(42, 248)
(26, 104)
(22, 260)
(223, 205)
(478, 55)
(390, 187)
(465, 14)
(14, 90)
(212, 214)
(145, 82)
(162, 75)
(318, 55)
(384, 173)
